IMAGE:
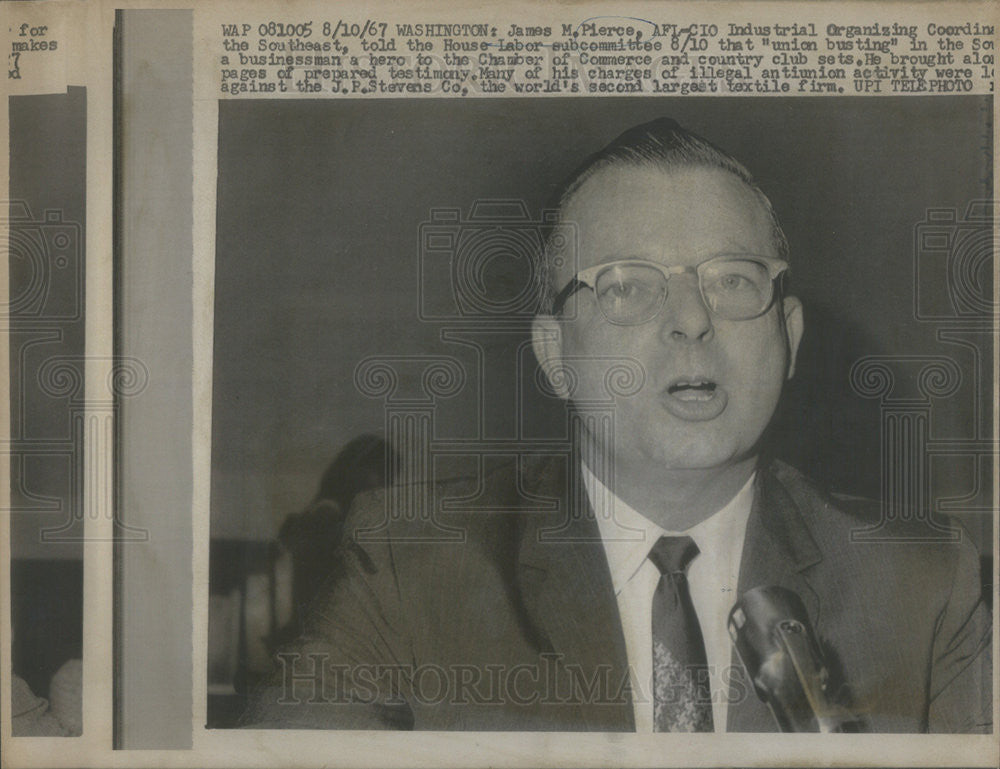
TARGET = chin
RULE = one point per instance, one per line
(694, 446)
(695, 461)
(672, 452)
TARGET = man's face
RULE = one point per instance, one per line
(711, 385)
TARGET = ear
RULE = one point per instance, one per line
(794, 326)
(546, 341)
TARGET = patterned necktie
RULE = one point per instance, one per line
(681, 693)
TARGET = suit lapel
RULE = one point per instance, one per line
(568, 593)
(778, 550)
(569, 597)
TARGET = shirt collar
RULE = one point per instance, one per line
(628, 535)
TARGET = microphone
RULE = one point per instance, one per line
(774, 639)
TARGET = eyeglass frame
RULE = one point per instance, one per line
(776, 268)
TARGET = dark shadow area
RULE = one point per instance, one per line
(262, 593)
(47, 617)
(46, 264)
(827, 431)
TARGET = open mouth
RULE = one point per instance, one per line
(693, 389)
(694, 398)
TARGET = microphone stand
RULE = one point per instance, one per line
(773, 637)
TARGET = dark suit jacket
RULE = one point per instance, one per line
(514, 625)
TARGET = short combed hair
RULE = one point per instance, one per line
(660, 143)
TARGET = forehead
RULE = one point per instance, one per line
(674, 216)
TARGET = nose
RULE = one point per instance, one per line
(684, 317)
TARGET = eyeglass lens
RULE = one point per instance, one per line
(734, 289)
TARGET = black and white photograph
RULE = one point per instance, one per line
(465, 385)
(606, 416)
(45, 325)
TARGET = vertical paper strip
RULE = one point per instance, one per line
(154, 328)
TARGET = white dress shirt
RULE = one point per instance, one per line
(712, 578)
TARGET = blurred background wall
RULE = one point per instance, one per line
(319, 258)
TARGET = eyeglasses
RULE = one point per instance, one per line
(632, 291)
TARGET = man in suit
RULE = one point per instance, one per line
(593, 593)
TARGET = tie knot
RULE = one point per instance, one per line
(671, 555)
